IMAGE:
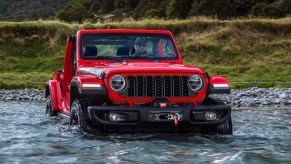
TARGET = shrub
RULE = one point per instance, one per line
(132, 3)
(106, 6)
(153, 13)
(119, 4)
(95, 6)
(257, 10)
(272, 11)
(75, 12)
(178, 9)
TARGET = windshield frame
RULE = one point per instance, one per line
(165, 36)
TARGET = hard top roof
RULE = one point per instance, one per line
(125, 31)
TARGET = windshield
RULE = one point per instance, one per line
(128, 46)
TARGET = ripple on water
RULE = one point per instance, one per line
(28, 136)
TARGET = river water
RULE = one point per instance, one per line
(28, 136)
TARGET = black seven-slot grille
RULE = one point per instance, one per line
(157, 86)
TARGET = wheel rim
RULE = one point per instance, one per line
(75, 119)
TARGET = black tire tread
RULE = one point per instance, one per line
(84, 120)
(225, 127)
(49, 108)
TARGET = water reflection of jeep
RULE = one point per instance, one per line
(107, 86)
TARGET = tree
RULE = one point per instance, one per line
(223, 9)
(73, 12)
(119, 4)
(132, 3)
(257, 10)
(285, 6)
(241, 7)
(144, 6)
(85, 3)
(203, 7)
(178, 9)
(106, 6)
(273, 11)
(153, 13)
(95, 6)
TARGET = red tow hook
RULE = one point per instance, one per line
(175, 119)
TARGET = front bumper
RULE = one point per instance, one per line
(142, 119)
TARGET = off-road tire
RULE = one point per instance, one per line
(79, 115)
(223, 128)
(49, 108)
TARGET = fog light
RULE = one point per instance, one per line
(116, 117)
(210, 116)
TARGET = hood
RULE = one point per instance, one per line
(142, 67)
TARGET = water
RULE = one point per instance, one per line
(28, 136)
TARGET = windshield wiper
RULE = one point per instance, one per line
(140, 57)
(108, 57)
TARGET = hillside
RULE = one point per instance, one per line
(250, 52)
(23, 10)
(117, 10)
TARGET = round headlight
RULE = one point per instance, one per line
(117, 83)
(195, 83)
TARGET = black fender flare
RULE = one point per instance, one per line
(97, 95)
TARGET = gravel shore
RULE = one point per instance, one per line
(250, 97)
(258, 97)
(22, 95)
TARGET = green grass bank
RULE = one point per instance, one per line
(251, 52)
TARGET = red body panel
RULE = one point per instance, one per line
(218, 80)
(67, 68)
(56, 95)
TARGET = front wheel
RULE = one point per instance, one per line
(225, 128)
(79, 115)
(49, 108)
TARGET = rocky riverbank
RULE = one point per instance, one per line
(22, 95)
(251, 97)
(258, 97)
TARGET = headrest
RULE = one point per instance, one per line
(122, 51)
(90, 51)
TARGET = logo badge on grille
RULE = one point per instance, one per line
(163, 104)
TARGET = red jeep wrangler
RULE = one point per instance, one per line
(135, 81)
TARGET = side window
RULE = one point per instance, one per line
(150, 47)
(167, 48)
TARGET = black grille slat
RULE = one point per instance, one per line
(176, 84)
(149, 87)
(168, 86)
(185, 86)
(140, 86)
(131, 88)
(158, 86)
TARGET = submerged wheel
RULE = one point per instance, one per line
(223, 128)
(49, 108)
(79, 115)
